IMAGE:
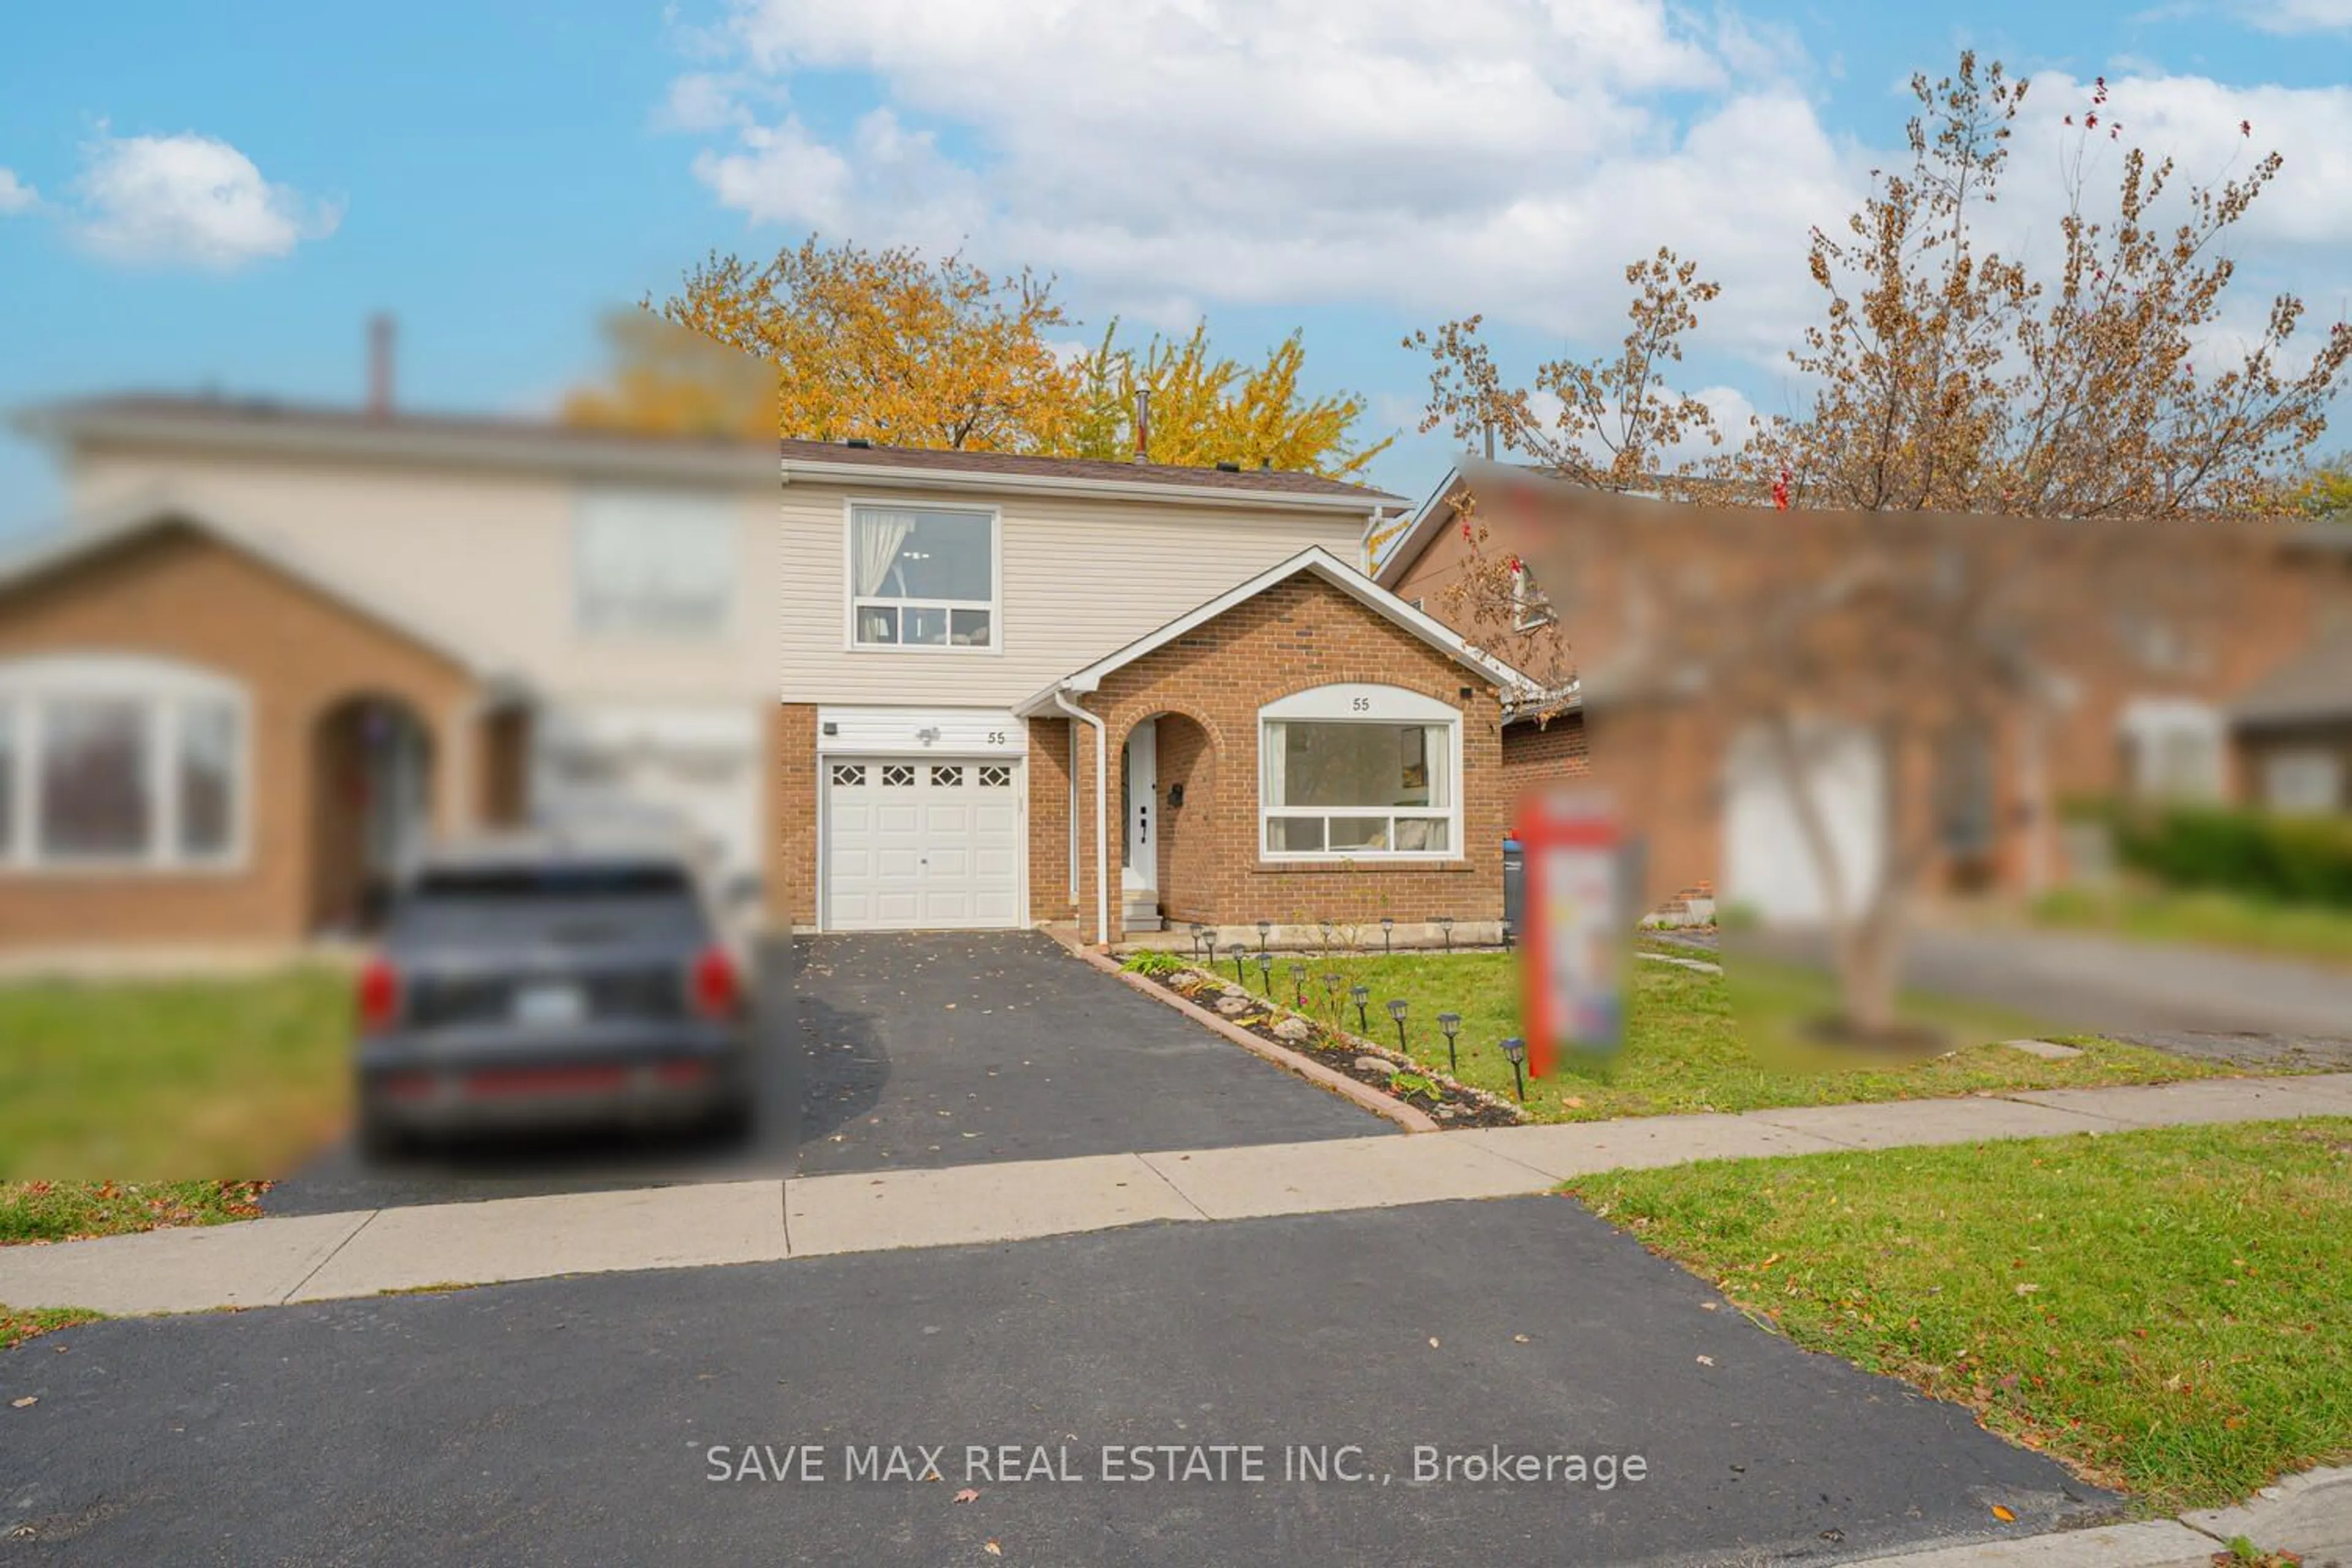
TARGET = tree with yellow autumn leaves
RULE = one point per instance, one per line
(831, 341)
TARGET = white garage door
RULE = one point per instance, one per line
(1769, 866)
(922, 843)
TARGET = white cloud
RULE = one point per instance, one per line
(16, 195)
(2297, 15)
(1501, 156)
(189, 200)
(1507, 155)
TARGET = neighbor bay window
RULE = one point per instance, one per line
(127, 762)
(1360, 771)
(922, 578)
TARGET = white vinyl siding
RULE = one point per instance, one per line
(1076, 580)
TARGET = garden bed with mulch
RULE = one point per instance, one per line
(1447, 1102)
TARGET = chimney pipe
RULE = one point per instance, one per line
(380, 343)
(1143, 423)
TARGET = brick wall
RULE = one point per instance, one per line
(790, 859)
(1298, 634)
(1049, 819)
(179, 594)
(1536, 757)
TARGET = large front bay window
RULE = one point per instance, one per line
(1360, 771)
(116, 760)
(922, 578)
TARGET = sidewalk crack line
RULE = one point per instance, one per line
(337, 1252)
(1181, 1195)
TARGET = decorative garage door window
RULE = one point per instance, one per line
(898, 775)
(849, 772)
(108, 759)
(948, 777)
(922, 579)
(1360, 772)
(995, 777)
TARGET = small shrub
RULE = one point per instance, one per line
(2291, 859)
(1411, 1084)
(1153, 961)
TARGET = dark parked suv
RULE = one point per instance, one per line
(530, 983)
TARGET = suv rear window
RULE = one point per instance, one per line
(568, 905)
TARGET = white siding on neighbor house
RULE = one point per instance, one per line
(1080, 578)
(486, 558)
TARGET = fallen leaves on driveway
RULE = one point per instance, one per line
(968, 1494)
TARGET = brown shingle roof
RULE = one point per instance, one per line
(261, 416)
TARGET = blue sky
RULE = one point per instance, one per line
(189, 199)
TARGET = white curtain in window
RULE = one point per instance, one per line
(878, 536)
(1275, 744)
(1440, 757)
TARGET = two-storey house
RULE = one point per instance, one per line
(275, 648)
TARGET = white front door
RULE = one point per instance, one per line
(922, 843)
(1141, 795)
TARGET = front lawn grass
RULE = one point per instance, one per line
(1686, 1050)
(68, 1211)
(18, 1325)
(2163, 1310)
(179, 1082)
(2205, 919)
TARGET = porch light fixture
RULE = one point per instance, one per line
(1265, 971)
(1514, 1050)
(1298, 984)
(1396, 1011)
(1360, 995)
(1388, 928)
(1446, 924)
(1452, 1023)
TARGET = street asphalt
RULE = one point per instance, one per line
(608, 1418)
(906, 1051)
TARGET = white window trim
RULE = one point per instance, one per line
(1363, 703)
(993, 605)
(164, 687)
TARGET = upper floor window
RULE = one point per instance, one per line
(2178, 749)
(117, 761)
(647, 562)
(922, 578)
(1358, 770)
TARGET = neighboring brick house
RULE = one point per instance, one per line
(186, 719)
(2233, 682)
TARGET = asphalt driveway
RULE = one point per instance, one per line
(586, 1420)
(903, 1050)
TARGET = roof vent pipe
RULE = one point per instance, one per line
(1143, 423)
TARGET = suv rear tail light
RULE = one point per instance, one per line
(718, 990)
(379, 994)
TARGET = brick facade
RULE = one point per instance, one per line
(792, 848)
(1298, 634)
(1049, 820)
(181, 594)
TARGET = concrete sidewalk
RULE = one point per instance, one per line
(271, 1261)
